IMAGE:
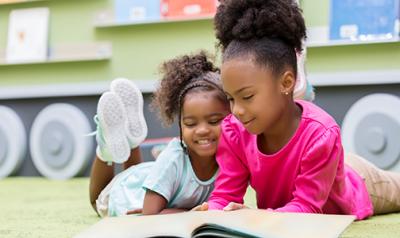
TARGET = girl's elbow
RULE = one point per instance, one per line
(151, 211)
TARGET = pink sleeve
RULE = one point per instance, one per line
(318, 172)
(233, 176)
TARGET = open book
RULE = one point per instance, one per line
(241, 223)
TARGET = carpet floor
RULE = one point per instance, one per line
(37, 207)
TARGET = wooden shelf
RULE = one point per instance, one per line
(69, 53)
(106, 18)
(352, 78)
(318, 36)
(349, 42)
(8, 2)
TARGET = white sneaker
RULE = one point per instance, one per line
(113, 145)
(132, 100)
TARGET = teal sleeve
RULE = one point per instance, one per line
(165, 175)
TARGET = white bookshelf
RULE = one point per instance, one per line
(8, 2)
(69, 53)
(94, 88)
(352, 78)
(106, 18)
(318, 37)
(326, 79)
(332, 43)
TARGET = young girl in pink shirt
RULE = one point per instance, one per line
(289, 151)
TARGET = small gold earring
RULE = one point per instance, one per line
(286, 93)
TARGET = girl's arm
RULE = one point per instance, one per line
(173, 210)
(154, 204)
(233, 177)
(321, 165)
(162, 180)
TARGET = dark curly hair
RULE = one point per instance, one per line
(271, 31)
(181, 76)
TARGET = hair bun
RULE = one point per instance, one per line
(244, 20)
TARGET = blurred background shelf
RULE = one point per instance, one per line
(55, 90)
(355, 78)
(106, 18)
(318, 37)
(316, 44)
(7, 2)
(69, 53)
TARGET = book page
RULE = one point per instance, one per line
(256, 223)
(260, 223)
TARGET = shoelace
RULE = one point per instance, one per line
(98, 133)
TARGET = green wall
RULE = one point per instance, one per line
(346, 58)
(138, 50)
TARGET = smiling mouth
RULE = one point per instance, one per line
(205, 141)
(248, 122)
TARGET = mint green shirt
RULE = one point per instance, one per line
(171, 176)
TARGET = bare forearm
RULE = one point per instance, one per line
(164, 211)
(173, 210)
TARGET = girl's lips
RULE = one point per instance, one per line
(248, 122)
(205, 143)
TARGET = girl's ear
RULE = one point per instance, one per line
(287, 82)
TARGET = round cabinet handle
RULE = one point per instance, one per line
(13, 142)
(371, 128)
(59, 146)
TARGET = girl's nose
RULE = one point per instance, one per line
(203, 130)
(237, 110)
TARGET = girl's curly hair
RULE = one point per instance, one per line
(270, 30)
(181, 75)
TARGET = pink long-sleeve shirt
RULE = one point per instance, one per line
(307, 175)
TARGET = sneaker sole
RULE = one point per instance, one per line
(132, 100)
(111, 114)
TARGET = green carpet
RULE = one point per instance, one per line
(36, 207)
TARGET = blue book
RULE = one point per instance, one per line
(364, 19)
(137, 10)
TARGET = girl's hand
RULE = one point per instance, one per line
(203, 207)
(135, 211)
(232, 206)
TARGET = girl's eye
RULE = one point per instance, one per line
(229, 99)
(248, 97)
(189, 124)
(215, 122)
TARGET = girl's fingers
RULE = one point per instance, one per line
(232, 206)
(196, 208)
(202, 207)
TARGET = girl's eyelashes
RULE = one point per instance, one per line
(248, 97)
(215, 121)
(187, 124)
(230, 99)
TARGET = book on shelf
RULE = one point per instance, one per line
(28, 35)
(364, 20)
(137, 10)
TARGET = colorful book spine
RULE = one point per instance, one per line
(364, 19)
(137, 10)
